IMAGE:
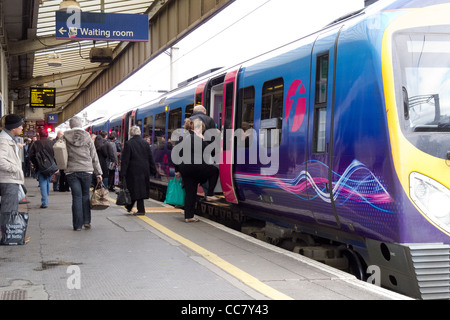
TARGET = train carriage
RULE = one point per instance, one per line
(342, 135)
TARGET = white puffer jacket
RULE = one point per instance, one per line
(10, 161)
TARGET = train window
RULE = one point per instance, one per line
(319, 132)
(189, 111)
(322, 79)
(320, 107)
(148, 127)
(160, 130)
(246, 113)
(272, 99)
(198, 98)
(228, 112)
(174, 121)
(272, 111)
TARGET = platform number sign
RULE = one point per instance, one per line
(52, 118)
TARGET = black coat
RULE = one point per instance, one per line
(137, 166)
(105, 153)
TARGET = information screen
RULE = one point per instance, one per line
(42, 97)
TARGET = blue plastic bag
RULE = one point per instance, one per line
(175, 194)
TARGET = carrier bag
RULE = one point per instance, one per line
(100, 197)
(60, 150)
(175, 194)
(123, 197)
(13, 227)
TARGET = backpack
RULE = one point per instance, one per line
(46, 163)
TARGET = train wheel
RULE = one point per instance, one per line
(356, 266)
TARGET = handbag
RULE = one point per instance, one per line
(123, 197)
(60, 151)
(175, 194)
(99, 197)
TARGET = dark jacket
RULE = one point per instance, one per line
(105, 154)
(207, 120)
(137, 166)
(194, 166)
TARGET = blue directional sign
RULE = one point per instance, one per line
(52, 118)
(79, 25)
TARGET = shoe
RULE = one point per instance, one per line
(87, 225)
(76, 229)
(212, 198)
(139, 214)
(43, 206)
(191, 220)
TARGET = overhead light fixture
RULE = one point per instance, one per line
(102, 55)
(54, 60)
(69, 3)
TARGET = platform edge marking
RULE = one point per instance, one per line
(221, 263)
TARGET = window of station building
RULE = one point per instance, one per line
(272, 112)
(160, 130)
(320, 104)
(246, 114)
(174, 122)
(148, 127)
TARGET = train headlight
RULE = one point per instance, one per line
(432, 198)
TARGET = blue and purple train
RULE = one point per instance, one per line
(362, 112)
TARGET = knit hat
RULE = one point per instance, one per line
(13, 121)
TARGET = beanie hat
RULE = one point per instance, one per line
(13, 121)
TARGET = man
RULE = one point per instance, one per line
(11, 173)
(82, 162)
(200, 113)
(44, 180)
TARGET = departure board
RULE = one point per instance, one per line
(42, 97)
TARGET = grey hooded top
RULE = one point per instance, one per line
(82, 156)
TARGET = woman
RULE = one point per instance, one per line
(81, 163)
(192, 173)
(137, 166)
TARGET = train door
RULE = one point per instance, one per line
(128, 120)
(321, 124)
(227, 143)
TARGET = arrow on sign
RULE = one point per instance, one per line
(62, 30)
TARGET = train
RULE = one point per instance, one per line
(351, 132)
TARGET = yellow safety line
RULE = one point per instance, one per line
(224, 265)
(162, 209)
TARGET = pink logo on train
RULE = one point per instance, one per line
(296, 97)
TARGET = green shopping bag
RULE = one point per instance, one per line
(175, 193)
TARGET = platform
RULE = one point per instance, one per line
(159, 257)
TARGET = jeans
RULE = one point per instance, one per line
(79, 183)
(9, 193)
(44, 185)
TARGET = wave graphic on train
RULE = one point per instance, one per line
(357, 184)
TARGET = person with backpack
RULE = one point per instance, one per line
(43, 159)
